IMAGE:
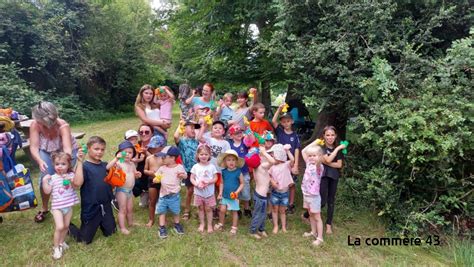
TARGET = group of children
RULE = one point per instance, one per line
(216, 160)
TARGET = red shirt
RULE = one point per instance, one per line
(260, 127)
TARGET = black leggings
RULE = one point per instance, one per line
(328, 190)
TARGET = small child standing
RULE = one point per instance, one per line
(60, 186)
(259, 124)
(285, 135)
(281, 181)
(166, 100)
(312, 155)
(123, 194)
(171, 175)
(203, 177)
(230, 188)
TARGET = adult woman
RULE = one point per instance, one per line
(48, 134)
(149, 112)
(203, 101)
(145, 133)
(242, 110)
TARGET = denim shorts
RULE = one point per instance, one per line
(65, 210)
(232, 204)
(279, 198)
(245, 193)
(171, 202)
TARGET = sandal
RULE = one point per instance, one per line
(186, 216)
(233, 230)
(41, 216)
(318, 242)
(218, 226)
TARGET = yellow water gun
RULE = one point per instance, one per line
(208, 119)
(285, 108)
(158, 177)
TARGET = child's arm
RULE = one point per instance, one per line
(255, 95)
(290, 157)
(200, 135)
(241, 184)
(190, 99)
(46, 186)
(176, 135)
(218, 112)
(275, 117)
(213, 180)
(134, 168)
(295, 169)
(78, 179)
(181, 172)
(169, 93)
(221, 191)
(113, 162)
(264, 153)
(327, 159)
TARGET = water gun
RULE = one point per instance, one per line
(267, 135)
(320, 142)
(158, 177)
(84, 148)
(122, 158)
(208, 119)
(260, 139)
(251, 95)
(246, 121)
(181, 128)
(138, 147)
(285, 108)
(213, 105)
(346, 143)
(234, 195)
(66, 182)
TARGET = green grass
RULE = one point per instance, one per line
(24, 242)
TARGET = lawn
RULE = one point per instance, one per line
(25, 242)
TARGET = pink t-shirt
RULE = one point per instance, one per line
(166, 109)
(312, 179)
(63, 196)
(281, 173)
(170, 183)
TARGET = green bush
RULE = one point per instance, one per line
(416, 143)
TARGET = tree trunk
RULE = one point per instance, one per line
(329, 118)
(265, 95)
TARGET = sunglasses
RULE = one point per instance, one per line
(144, 132)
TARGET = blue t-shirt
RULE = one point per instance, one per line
(94, 191)
(226, 114)
(197, 101)
(241, 150)
(188, 148)
(291, 139)
(231, 181)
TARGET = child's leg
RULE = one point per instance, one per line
(317, 224)
(130, 211)
(235, 218)
(153, 196)
(162, 219)
(201, 218)
(122, 201)
(209, 216)
(189, 197)
(275, 218)
(67, 220)
(58, 227)
(282, 211)
(223, 210)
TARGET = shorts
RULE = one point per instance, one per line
(171, 202)
(279, 199)
(245, 193)
(126, 191)
(187, 181)
(206, 201)
(312, 203)
(153, 185)
(232, 204)
(65, 210)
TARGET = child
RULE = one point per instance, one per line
(231, 186)
(243, 111)
(96, 195)
(187, 146)
(259, 124)
(281, 181)
(124, 194)
(132, 137)
(224, 111)
(262, 183)
(203, 177)
(312, 155)
(286, 135)
(171, 173)
(332, 161)
(236, 144)
(166, 100)
(152, 163)
(186, 109)
(63, 198)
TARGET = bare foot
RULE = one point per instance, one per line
(125, 231)
(283, 230)
(275, 230)
(263, 234)
(256, 236)
(210, 230)
(150, 224)
(328, 229)
(201, 228)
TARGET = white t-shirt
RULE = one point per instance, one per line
(153, 114)
(217, 147)
(204, 173)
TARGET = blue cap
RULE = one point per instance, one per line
(168, 151)
(157, 141)
(124, 145)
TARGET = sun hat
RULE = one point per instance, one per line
(131, 133)
(157, 141)
(124, 145)
(229, 152)
(279, 152)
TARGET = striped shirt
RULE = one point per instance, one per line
(63, 196)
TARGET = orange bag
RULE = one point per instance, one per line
(115, 177)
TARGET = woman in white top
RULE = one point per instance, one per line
(149, 112)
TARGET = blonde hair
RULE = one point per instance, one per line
(139, 101)
(256, 107)
(200, 149)
(45, 113)
(228, 95)
(316, 150)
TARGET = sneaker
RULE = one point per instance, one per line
(162, 232)
(248, 213)
(115, 204)
(179, 228)
(291, 209)
(64, 246)
(57, 253)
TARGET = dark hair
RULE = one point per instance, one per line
(332, 128)
(243, 95)
(95, 140)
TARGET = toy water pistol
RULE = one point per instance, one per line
(208, 119)
(122, 158)
(246, 121)
(285, 108)
(251, 95)
(66, 182)
(138, 148)
(320, 142)
(260, 139)
(84, 148)
(213, 105)
(346, 143)
(181, 128)
(234, 195)
(158, 177)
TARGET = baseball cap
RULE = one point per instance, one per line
(168, 151)
(131, 133)
(196, 125)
